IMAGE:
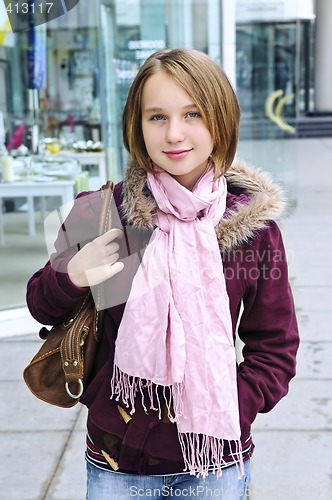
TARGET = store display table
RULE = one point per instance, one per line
(31, 189)
(88, 158)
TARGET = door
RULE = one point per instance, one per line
(266, 61)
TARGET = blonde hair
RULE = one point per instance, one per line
(208, 86)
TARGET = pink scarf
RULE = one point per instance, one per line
(176, 330)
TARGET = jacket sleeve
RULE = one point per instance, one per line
(51, 295)
(268, 328)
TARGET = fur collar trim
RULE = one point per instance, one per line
(263, 201)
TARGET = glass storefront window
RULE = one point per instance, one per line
(67, 107)
(266, 62)
(274, 63)
(69, 99)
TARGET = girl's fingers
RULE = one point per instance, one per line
(109, 236)
(102, 273)
(113, 258)
(112, 248)
(116, 268)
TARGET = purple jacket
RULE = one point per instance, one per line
(261, 304)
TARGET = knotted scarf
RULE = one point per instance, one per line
(175, 339)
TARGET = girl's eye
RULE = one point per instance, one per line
(194, 114)
(157, 118)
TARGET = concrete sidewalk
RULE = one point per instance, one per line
(293, 457)
(43, 446)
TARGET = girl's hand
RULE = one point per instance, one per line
(96, 261)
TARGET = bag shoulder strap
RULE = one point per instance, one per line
(106, 192)
(105, 224)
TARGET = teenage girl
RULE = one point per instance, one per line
(170, 405)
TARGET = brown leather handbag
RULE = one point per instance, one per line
(62, 366)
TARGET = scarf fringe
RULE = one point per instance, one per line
(201, 453)
(125, 387)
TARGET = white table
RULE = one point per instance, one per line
(28, 190)
(88, 159)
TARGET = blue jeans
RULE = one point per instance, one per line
(107, 485)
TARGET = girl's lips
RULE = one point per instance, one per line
(177, 155)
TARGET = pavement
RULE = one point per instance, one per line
(42, 447)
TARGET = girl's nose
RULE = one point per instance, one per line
(174, 131)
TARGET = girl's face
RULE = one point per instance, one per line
(175, 136)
